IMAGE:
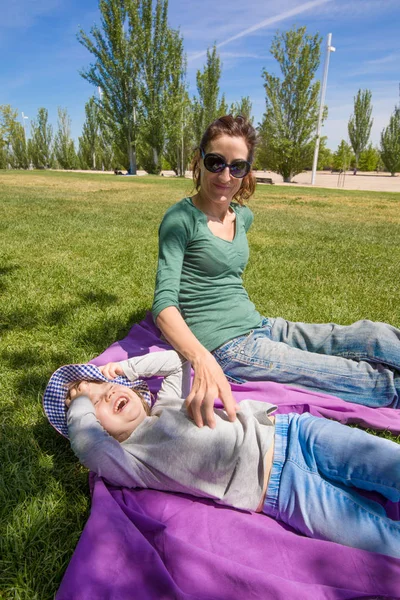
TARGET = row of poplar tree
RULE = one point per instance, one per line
(143, 115)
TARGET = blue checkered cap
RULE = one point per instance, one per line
(56, 391)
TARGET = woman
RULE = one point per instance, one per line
(203, 310)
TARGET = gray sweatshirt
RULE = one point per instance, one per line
(167, 451)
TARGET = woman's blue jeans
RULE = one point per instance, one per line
(317, 465)
(359, 362)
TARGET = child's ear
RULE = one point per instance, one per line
(67, 401)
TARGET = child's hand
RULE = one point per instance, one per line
(75, 390)
(111, 370)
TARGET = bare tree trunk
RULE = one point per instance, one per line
(155, 158)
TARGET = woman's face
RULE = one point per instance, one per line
(219, 188)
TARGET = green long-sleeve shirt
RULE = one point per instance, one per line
(201, 274)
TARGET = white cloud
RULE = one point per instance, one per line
(390, 58)
(301, 8)
(21, 14)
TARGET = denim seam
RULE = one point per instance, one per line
(260, 363)
(390, 486)
(396, 524)
(341, 490)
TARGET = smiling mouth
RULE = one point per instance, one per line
(120, 404)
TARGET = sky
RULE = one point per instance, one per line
(41, 57)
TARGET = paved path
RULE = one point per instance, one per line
(381, 182)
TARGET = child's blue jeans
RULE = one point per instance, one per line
(359, 362)
(317, 465)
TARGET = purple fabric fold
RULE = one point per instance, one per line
(152, 545)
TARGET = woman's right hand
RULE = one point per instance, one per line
(209, 383)
(209, 380)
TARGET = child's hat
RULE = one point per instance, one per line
(56, 391)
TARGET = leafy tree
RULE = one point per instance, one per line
(342, 158)
(89, 142)
(132, 51)
(5, 109)
(289, 124)
(369, 159)
(390, 143)
(116, 69)
(40, 144)
(14, 145)
(64, 147)
(161, 47)
(244, 108)
(325, 156)
(178, 116)
(360, 123)
(107, 146)
(207, 107)
(3, 154)
(19, 158)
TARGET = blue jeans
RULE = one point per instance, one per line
(317, 465)
(359, 362)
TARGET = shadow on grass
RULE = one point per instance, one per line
(31, 379)
(44, 506)
(101, 335)
(28, 319)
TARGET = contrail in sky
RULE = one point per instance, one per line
(270, 21)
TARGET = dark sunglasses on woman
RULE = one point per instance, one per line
(215, 163)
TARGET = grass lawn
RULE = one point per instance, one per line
(78, 256)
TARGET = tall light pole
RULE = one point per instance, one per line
(329, 49)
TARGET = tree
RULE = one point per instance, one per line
(19, 158)
(369, 159)
(244, 108)
(116, 69)
(133, 62)
(360, 123)
(14, 148)
(290, 121)
(390, 143)
(178, 116)
(3, 154)
(207, 107)
(64, 147)
(325, 156)
(40, 144)
(89, 142)
(342, 157)
(160, 58)
(5, 109)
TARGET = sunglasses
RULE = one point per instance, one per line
(215, 163)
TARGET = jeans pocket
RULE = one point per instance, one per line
(226, 352)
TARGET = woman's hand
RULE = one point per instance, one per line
(209, 383)
(111, 370)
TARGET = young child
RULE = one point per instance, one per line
(299, 469)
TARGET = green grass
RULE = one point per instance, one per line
(78, 255)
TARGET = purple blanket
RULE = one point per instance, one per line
(151, 545)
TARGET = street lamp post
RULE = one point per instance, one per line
(329, 49)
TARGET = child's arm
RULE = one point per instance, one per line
(168, 364)
(100, 452)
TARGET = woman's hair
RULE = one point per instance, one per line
(235, 127)
(72, 384)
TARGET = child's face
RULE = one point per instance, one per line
(118, 408)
